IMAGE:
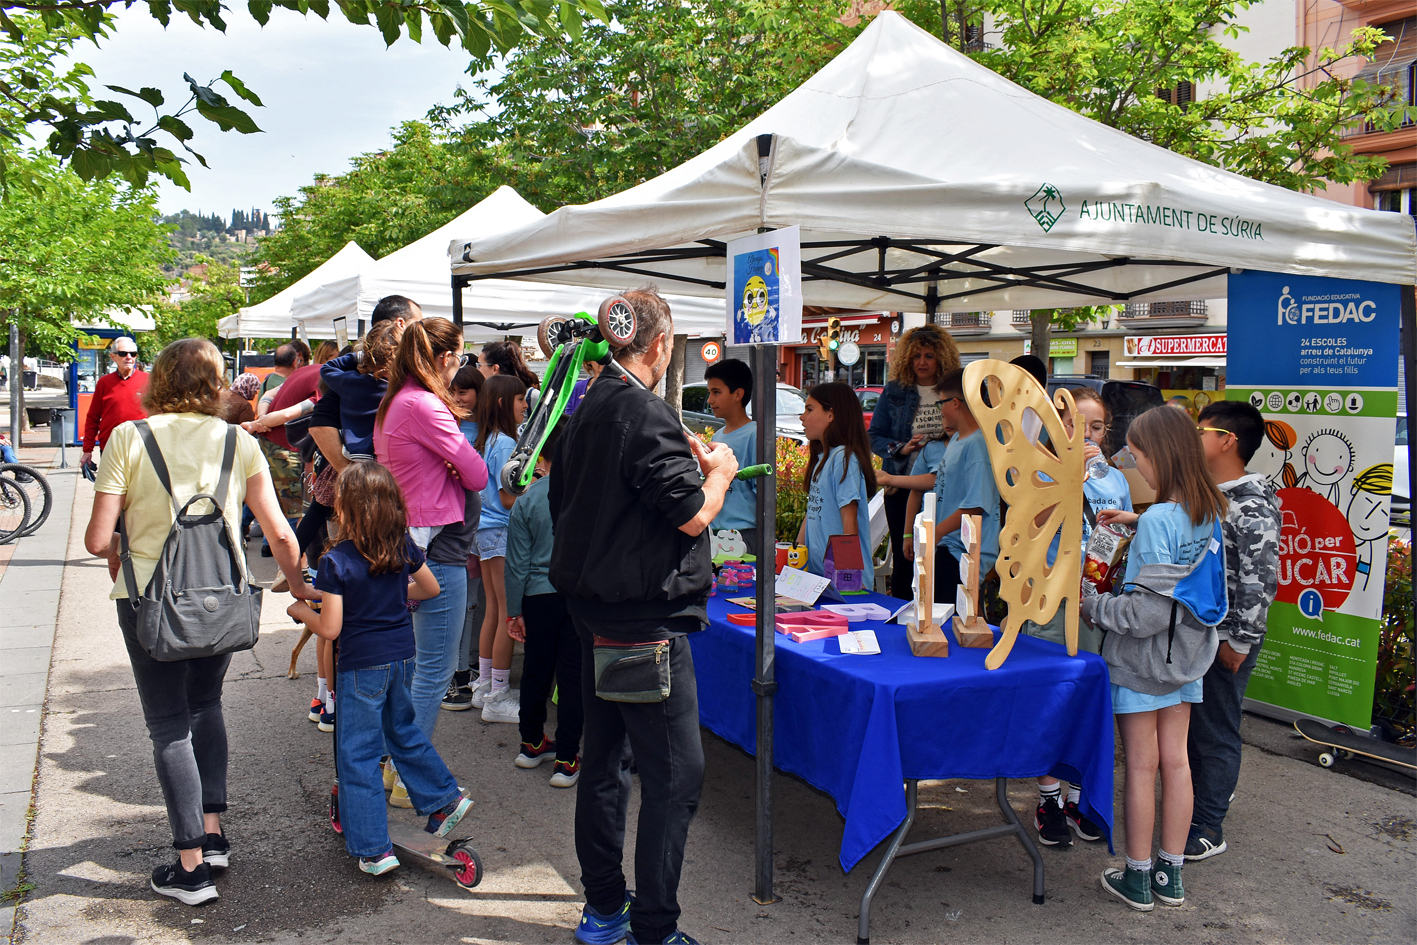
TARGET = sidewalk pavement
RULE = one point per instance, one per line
(1317, 856)
(31, 573)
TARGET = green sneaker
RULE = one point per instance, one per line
(1166, 884)
(1131, 886)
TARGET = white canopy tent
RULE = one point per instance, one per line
(419, 271)
(1034, 207)
(271, 318)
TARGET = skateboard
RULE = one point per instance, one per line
(1346, 744)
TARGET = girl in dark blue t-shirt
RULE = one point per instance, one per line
(365, 586)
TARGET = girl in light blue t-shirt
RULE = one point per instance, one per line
(840, 478)
(1176, 530)
(501, 406)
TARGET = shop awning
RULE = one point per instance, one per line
(1172, 363)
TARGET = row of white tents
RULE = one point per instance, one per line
(350, 283)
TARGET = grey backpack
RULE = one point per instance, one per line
(198, 602)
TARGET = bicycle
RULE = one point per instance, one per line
(36, 487)
(14, 510)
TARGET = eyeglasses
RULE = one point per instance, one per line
(1097, 428)
(125, 354)
(945, 400)
(462, 358)
(1200, 430)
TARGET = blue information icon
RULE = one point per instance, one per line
(1311, 604)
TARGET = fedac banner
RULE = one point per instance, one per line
(1318, 357)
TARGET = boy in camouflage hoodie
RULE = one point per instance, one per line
(1230, 433)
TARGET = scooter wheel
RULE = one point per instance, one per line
(511, 472)
(471, 873)
(335, 825)
(546, 333)
(616, 320)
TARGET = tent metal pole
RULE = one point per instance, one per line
(1408, 343)
(458, 283)
(764, 365)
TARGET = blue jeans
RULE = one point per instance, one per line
(1213, 742)
(7, 454)
(376, 710)
(437, 635)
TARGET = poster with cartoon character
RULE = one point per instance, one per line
(1318, 357)
(764, 288)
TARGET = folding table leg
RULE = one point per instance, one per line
(863, 925)
(1001, 793)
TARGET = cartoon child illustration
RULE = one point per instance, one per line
(1368, 515)
(1272, 459)
(1328, 457)
(756, 318)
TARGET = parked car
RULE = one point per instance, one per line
(868, 397)
(1401, 513)
(790, 404)
(1126, 400)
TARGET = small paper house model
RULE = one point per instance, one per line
(843, 565)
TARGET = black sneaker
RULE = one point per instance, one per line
(1084, 828)
(216, 851)
(1204, 843)
(192, 888)
(1052, 824)
(457, 698)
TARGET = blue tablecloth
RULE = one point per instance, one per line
(858, 726)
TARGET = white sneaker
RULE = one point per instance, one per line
(503, 706)
(481, 688)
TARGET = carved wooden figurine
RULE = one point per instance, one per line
(925, 636)
(971, 630)
(1042, 485)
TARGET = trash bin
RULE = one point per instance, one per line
(39, 416)
(61, 427)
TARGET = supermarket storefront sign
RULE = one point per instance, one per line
(1171, 346)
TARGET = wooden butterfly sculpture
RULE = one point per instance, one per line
(1043, 488)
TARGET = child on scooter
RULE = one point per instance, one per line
(366, 581)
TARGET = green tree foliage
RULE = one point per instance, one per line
(215, 293)
(73, 250)
(101, 136)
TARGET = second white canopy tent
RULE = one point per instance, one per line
(492, 308)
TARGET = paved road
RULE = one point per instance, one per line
(1318, 855)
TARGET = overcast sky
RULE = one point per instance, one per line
(331, 91)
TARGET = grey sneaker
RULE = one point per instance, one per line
(504, 706)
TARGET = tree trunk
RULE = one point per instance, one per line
(945, 21)
(1042, 327)
(674, 377)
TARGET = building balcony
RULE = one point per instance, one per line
(965, 323)
(1021, 319)
(1148, 315)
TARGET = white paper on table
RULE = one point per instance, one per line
(800, 585)
(858, 612)
(862, 642)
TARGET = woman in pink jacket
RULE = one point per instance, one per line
(416, 435)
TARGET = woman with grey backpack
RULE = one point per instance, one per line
(166, 512)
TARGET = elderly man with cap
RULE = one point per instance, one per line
(116, 397)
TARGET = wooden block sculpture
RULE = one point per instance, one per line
(925, 636)
(971, 630)
(1042, 483)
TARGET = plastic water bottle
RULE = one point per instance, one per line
(1097, 468)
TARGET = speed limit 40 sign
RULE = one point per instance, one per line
(711, 351)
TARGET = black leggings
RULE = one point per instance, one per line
(901, 570)
(310, 533)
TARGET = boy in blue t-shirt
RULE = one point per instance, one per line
(730, 387)
(963, 484)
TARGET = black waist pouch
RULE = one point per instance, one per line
(632, 672)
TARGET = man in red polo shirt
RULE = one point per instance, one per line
(116, 397)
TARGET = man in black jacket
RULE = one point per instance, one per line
(631, 500)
